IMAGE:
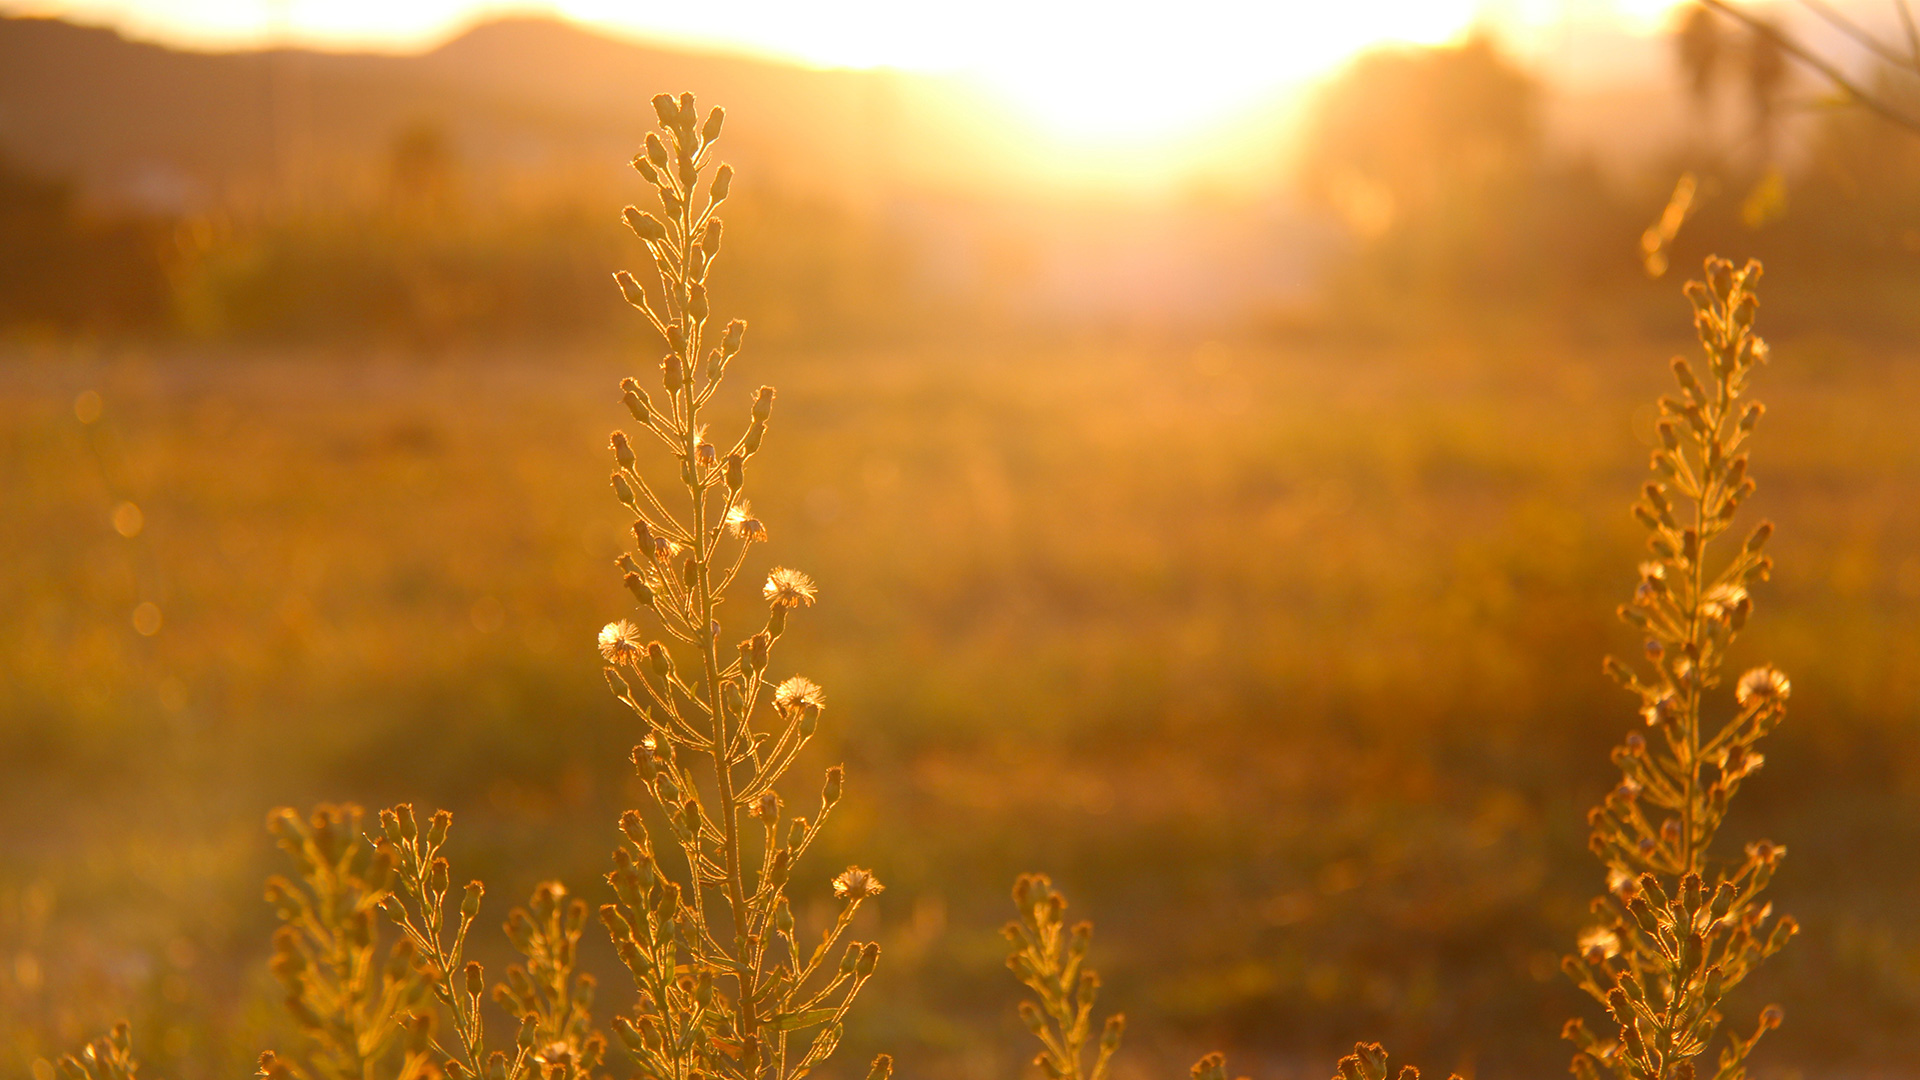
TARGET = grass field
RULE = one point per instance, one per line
(1281, 655)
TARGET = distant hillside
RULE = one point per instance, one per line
(522, 102)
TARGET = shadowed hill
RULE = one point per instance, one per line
(525, 102)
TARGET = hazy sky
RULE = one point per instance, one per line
(1085, 68)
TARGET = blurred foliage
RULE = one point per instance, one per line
(426, 272)
(63, 270)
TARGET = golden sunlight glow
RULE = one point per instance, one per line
(1102, 73)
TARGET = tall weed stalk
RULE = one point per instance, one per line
(728, 984)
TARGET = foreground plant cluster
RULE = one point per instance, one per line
(727, 982)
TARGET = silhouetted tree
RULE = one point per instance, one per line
(1698, 47)
(1766, 78)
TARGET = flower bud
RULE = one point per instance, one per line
(630, 289)
(470, 902)
(380, 868)
(722, 183)
(476, 981)
(644, 765)
(437, 828)
(646, 227)
(641, 591)
(622, 450)
(636, 400)
(1683, 374)
(408, 829)
(711, 130)
(830, 793)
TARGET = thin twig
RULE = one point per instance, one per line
(1813, 60)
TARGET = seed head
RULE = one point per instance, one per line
(1767, 684)
(742, 523)
(789, 589)
(797, 693)
(620, 642)
(854, 883)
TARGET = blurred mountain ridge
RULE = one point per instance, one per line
(527, 102)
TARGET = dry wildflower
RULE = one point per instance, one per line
(1763, 684)
(1051, 960)
(1721, 600)
(725, 988)
(741, 523)
(797, 693)
(620, 642)
(761, 1008)
(1674, 920)
(787, 588)
(856, 884)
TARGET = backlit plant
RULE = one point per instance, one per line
(729, 985)
(1679, 926)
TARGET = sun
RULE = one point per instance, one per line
(1099, 74)
(1139, 74)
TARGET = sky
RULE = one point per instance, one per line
(1083, 68)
